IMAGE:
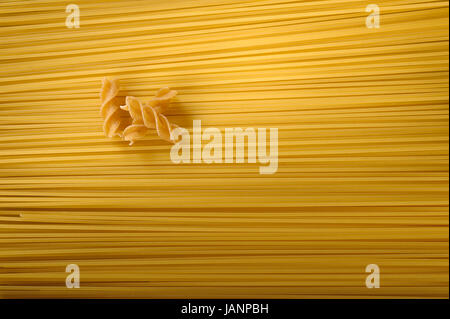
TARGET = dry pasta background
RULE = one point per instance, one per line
(363, 150)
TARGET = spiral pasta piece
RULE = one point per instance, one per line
(162, 99)
(146, 117)
(114, 118)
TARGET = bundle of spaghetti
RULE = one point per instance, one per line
(362, 118)
(148, 116)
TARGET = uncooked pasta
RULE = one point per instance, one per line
(355, 207)
(148, 116)
(114, 117)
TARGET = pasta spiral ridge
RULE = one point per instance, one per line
(148, 116)
(114, 122)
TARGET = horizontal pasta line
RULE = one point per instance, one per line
(306, 115)
(275, 100)
(86, 96)
(267, 49)
(284, 143)
(219, 22)
(345, 64)
(289, 46)
(239, 81)
(258, 49)
(258, 9)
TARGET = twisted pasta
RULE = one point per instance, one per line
(162, 99)
(147, 116)
(115, 119)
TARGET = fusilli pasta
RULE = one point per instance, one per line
(115, 119)
(134, 120)
(145, 117)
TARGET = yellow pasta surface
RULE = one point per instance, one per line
(362, 118)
